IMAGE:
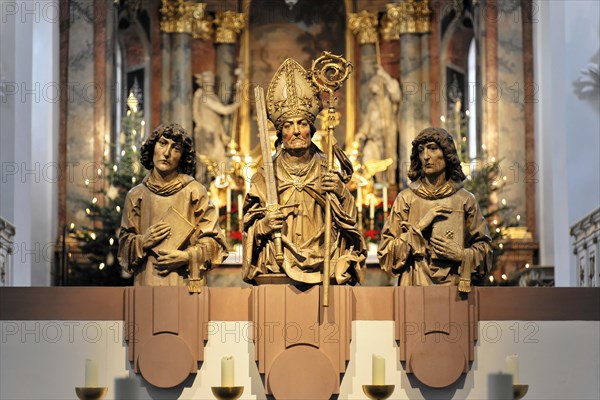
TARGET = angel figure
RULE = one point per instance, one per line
(378, 133)
(210, 138)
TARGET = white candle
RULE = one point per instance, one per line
(378, 370)
(385, 199)
(247, 183)
(228, 204)
(500, 387)
(359, 199)
(240, 200)
(512, 367)
(227, 371)
(372, 207)
(91, 373)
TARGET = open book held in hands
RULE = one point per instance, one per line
(181, 230)
(452, 227)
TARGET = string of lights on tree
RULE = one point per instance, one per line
(98, 241)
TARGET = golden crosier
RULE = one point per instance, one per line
(364, 26)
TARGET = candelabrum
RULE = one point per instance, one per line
(227, 392)
(378, 392)
(519, 391)
(91, 393)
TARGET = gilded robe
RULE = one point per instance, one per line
(303, 234)
(144, 206)
(405, 251)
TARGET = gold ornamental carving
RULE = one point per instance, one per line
(180, 16)
(229, 25)
(409, 16)
(364, 26)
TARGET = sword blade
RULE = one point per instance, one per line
(265, 145)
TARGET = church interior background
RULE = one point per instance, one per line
(516, 82)
(468, 66)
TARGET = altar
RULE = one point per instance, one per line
(47, 333)
(104, 74)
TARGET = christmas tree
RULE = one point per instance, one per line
(98, 242)
(486, 184)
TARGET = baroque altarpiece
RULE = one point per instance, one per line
(461, 65)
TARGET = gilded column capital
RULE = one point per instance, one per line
(409, 16)
(364, 26)
(180, 16)
(229, 24)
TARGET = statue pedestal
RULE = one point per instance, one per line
(301, 346)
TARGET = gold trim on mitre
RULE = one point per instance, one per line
(292, 94)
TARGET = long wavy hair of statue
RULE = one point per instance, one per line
(445, 141)
(175, 132)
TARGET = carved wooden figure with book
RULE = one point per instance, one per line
(436, 233)
(169, 231)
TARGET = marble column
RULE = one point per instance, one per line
(165, 78)
(225, 78)
(425, 100)
(111, 88)
(489, 90)
(225, 71)
(410, 105)
(181, 80)
(364, 26)
(368, 69)
(80, 112)
(229, 24)
(511, 102)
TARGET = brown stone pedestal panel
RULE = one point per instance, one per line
(442, 363)
(166, 328)
(165, 360)
(291, 323)
(437, 329)
(302, 372)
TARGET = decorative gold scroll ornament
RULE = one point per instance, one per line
(229, 24)
(180, 16)
(408, 16)
(364, 26)
(328, 73)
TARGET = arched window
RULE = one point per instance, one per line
(473, 100)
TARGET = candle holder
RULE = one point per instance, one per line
(227, 392)
(378, 392)
(360, 221)
(519, 391)
(91, 393)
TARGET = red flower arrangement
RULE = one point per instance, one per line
(235, 236)
(371, 235)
